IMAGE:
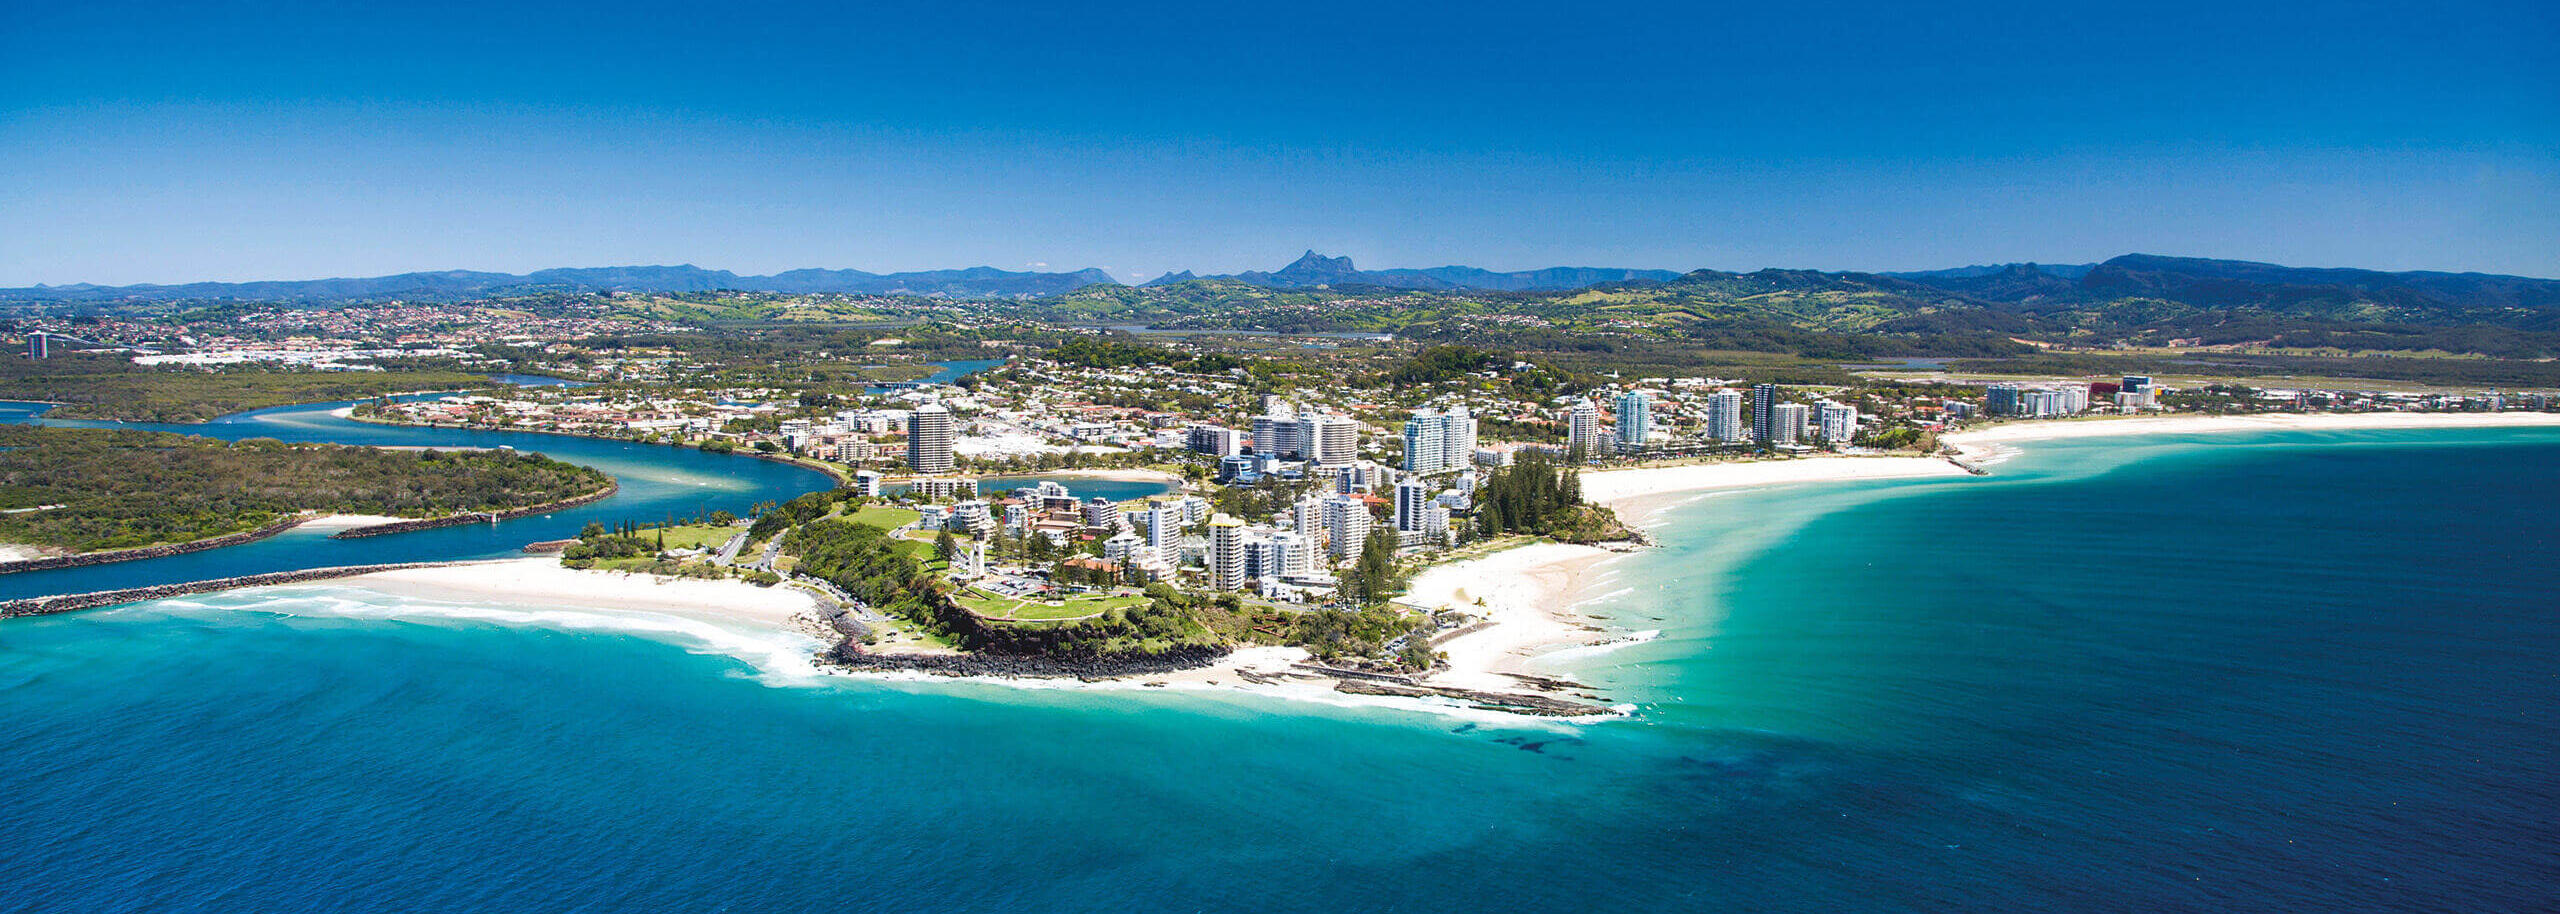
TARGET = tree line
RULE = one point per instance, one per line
(92, 489)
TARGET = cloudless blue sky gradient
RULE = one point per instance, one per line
(278, 140)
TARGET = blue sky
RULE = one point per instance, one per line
(265, 140)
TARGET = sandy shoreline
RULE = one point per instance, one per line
(1638, 494)
(1525, 594)
(1987, 441)
(1529, 592)
(544, 582)
(1522, 594)
(350, 521)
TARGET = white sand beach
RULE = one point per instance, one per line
(1525, 594)
(1522, 593)
(544, 582)
(1988, 441)
(1632, 493)
(350, 521)
(1527, 591)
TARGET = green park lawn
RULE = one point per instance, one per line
(993, 606)
(885, 517)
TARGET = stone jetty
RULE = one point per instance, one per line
(62, 603)
(152, 552)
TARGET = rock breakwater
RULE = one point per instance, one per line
(151, 552)
(69, 602)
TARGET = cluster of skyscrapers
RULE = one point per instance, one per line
(1321, 439)
(2035, 402)
(1732, 417)
(1437, 441)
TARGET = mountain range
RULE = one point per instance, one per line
(1313, 270)
(2016, 287)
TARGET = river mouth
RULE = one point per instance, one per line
(658, 483)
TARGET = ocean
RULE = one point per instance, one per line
(2267, 672)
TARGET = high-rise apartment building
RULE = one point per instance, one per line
(1786, 423)
(1635, 420)
(930, 436)
(1764, 403)
(1437, 441)
(1837, 422)
(1226, 552)
(1412, 496)
(1332, 441)
(1724, 417)
(1347, 526)
(1582, 428)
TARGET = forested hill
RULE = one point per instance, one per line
(2141, 300)
(1311, 270)
(84, 490)
(2203, 283)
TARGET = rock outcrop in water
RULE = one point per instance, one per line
(850, 655)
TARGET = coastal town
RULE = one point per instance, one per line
(1409, 457)
(1038, 499)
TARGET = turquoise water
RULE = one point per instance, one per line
(1081, 486)
(2280, 672)
(944, 373)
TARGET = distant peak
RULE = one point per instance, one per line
(1313, 267)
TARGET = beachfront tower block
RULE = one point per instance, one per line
(1724, 417)
(1226, 552)
(1582, 428)
(1764, 404)
(1635, 420)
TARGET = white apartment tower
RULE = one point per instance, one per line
(930, 434)
(1307, 515)
(1582, 428)
(1164, 530)
(1786, 423)
(1635, 420)
(1296, 555)
(1439, 441)
(1332, 441)
(1838, 422)
(1724, 417)
(1226, 552)
(1346, 523)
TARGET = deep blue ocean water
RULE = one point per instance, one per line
(2277, 672)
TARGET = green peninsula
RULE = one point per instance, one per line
(85, 490)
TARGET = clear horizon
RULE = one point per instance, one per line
(153, 143)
